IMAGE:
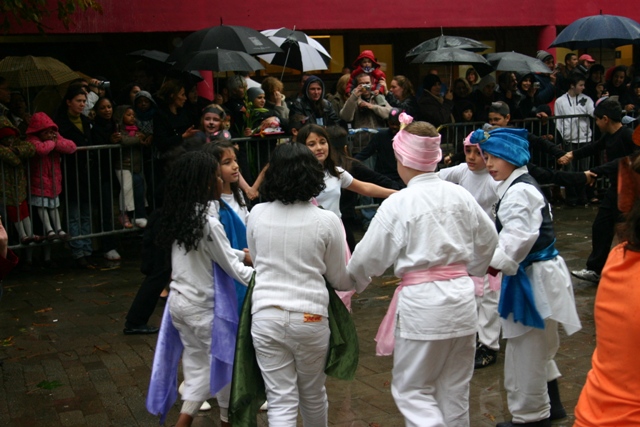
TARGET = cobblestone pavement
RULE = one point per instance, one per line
(67, 363)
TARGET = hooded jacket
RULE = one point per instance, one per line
(46, 174)
(13, 155)
(319, 112)
(376, 74)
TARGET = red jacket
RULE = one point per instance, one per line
(46, 174)
(376, 74)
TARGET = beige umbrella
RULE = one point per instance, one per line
(30, 71)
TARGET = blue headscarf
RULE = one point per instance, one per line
(509, 144)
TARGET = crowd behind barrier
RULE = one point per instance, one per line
(105, 198)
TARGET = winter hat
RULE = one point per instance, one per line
(7, 128)
(253, 93)
(486, 80)
(143, 94)
(509, 144)
(416, 152)
(542, 55)
(39, 122)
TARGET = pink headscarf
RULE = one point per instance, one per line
(467, 142)
(422, 153)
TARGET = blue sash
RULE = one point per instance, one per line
(517, 295)
(163, 386)
(237, 234)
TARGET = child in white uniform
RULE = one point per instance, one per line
(536, 287)
(190, 223)
(474, 177)
(294, 245)
(436, 235)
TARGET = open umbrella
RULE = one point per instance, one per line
(300, 51)
(454, 56)
(159, 58)
(517, 62)
(31, 71)
(603, 31)
(218, 60)
(445, 42)
(230, 37)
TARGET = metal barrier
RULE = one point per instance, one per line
(91, 189)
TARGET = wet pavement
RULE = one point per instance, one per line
(67, 363)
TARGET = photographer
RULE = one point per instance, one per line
(364, 110)
(95, 89)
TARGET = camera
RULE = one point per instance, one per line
(366, 86)
(104, 85)
(536, 85)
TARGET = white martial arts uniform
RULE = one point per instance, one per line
(293, 246)
(431, 223)
(191, 303)
(483, 188)
(529, 363)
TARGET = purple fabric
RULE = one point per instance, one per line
(224, 330)
(163, 387)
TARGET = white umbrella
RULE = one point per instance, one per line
(300, 51)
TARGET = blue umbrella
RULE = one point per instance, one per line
(603, 31)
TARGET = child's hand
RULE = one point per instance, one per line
(189, 132)
(449, 96)
(116, 138)
(278, 97)
(247, 132)
(247, 258)
(252, 193)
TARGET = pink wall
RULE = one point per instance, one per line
(173, 16)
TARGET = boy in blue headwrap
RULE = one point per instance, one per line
(536, 291)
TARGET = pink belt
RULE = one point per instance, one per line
(385, 337)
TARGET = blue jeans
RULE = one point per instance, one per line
(80, 225)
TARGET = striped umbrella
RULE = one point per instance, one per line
(30, 71)
(299, 51)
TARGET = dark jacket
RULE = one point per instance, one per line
(320, 112)
(409, 105)
(82, 166)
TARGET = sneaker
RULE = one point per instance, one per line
(485, 357)
(141, 222)
(585, 274)
(205, 405)
(112, 255)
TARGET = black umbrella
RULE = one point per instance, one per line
(230, 37)
(159, 60)
(445, 42)
(603, 31)
(454, 56)
(517, 62)
(219, 60)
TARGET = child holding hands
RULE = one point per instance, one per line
(536, 290)
(436, 235)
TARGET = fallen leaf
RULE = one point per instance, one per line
(488, 415)
(95, 347)
(44, 310)
(8, 342)
(49, 385)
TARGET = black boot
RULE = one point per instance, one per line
(557, 410)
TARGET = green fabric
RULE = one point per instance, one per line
(247, 386)
(344, 349)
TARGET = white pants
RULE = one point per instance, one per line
(292, 353)
(431, 381)
(489, 318)
(194, 325)
(528, 366)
